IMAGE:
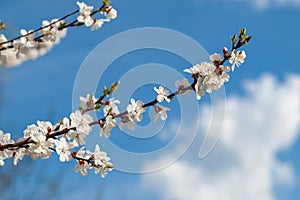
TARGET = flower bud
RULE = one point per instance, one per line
(225, 50)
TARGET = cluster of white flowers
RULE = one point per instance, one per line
(162, 94)
(237, 58)
(97, 161)
(86, 18)
(134, 115)
(4, 154)
(87, 103)
(183, 86)
(29, 46)
(106, 127)
(110, 110)
(161, 111)
(67, 137)
(42, 139)
(212, 75)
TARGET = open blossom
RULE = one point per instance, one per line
(199, 88)
(97, 24)
(135, 110)
(162, 94)
(88, 102)
(62, 149)
(45, 127)
(237, 58)
(65, 123)
(28, 39)
(3, 39)
(109, 124)
(212, 82)
(85, 14)
(215, 57)
(41, 146)
(125, 122)
(24, 44)
(110, 13)
(160, 111)
(81, 121)
(78, 137)
(82, 166)
(204, 69)
(193, 70)
(224, 77)
(111, 107)
(51, 32)
(19, 155)
(4, 154)
(181, 85)
(101, 161)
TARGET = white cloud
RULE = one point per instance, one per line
(243, 164)
(265, 4)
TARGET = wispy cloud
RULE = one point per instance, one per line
(244, 164)
(265, 4)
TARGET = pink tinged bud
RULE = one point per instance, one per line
(101, 123)
(225, 50)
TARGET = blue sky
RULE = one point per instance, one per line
(257, 154)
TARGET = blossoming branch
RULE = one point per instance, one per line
(33, 43)
(67, 137)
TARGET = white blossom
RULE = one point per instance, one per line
(97, 24)
(2, 40)
(109, 124)
(181, 85)
(211, 83)
(101, 161)
(65, 123)
(162, 94)
(62, 149)
(45, 127)
(160, 111)
(199, 88)
(135, 110)
(88, 102)
(216, 57)
(110, 13)
(82, 166)
(51, 32)
(85, 14)
(28, 38)
(125, 122)
(204, 69)
(224, 77)
(193, 70)
(78, 137)
(19, 155)
(81, 121)
(237, 58)
(4, 154)
(41, 146)
(111, 107)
